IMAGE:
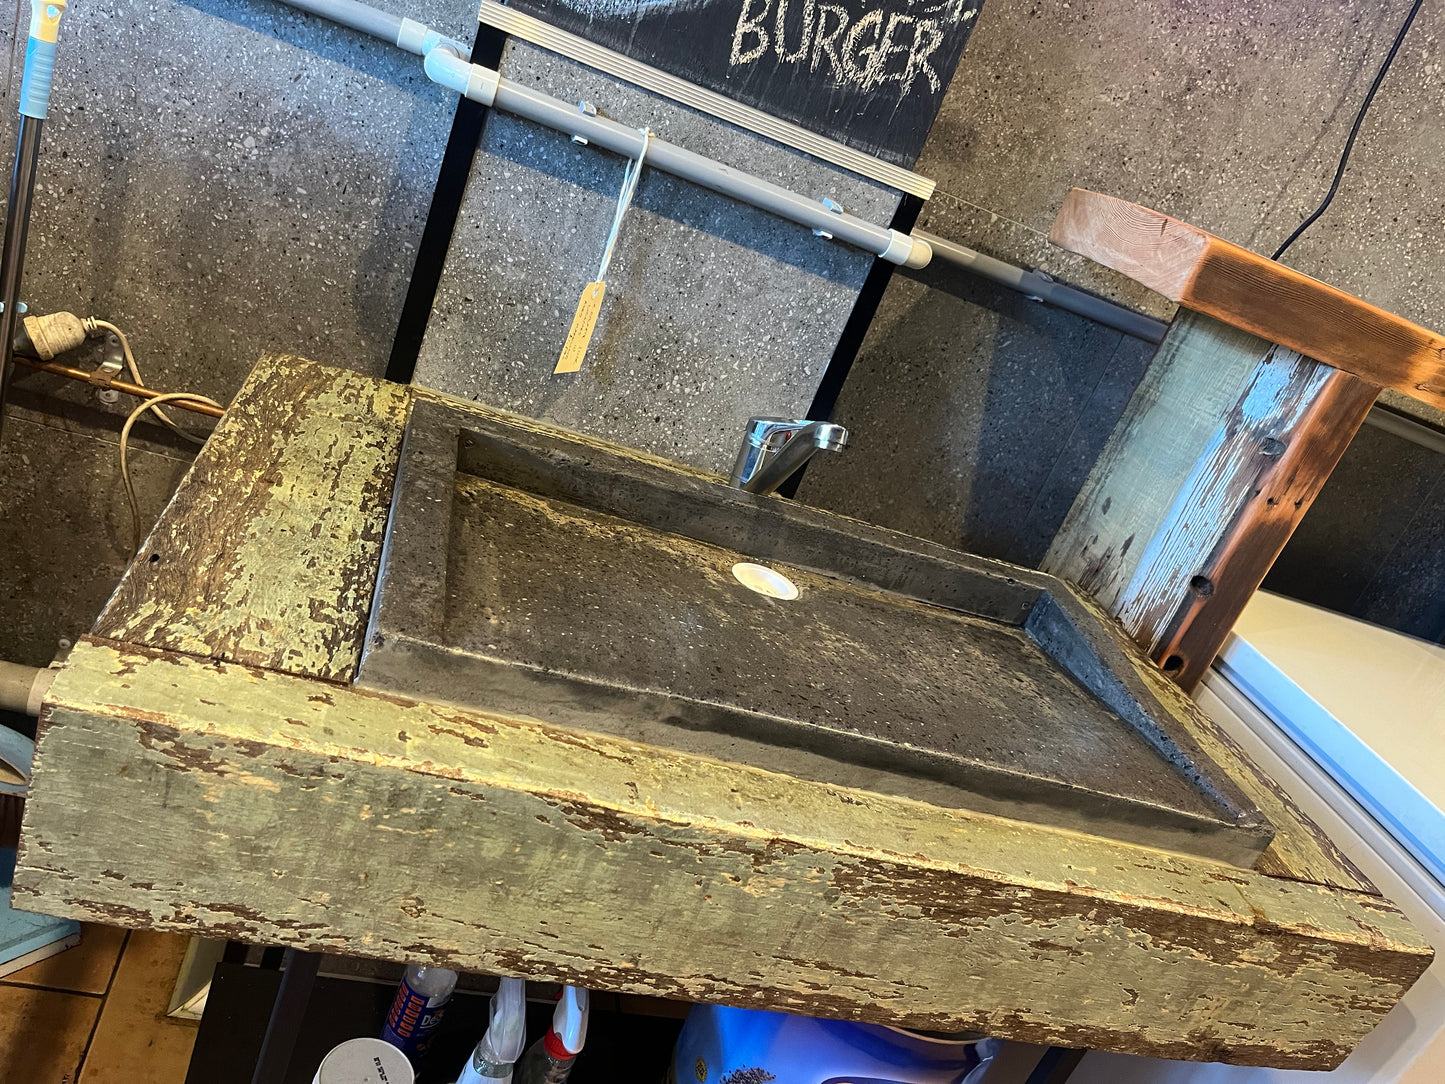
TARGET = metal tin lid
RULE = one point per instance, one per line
(365, 1061)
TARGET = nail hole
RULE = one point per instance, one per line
(1271, 447)
(1173, 664)
(155, 557)
(1201, 586)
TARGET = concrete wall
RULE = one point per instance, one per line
(714, 312)
(1231, 117)
(220, 178)
(224, 177)
(227, 177)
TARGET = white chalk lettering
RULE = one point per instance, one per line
(825, 43)
(750, 24)
(780, 32)
(856, 55)
(877, 70)
(877, 48)
(926, 39)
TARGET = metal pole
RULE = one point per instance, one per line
(12, 257)
(1042, 288)
(287, 1013)
(34, 104)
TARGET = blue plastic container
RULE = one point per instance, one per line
(748, 1046)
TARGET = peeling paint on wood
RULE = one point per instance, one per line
(533, 850)
(176, 791)
(1211, 434)
(1123, 511)
(268, 553)
(1220, 453)
(1209, 275)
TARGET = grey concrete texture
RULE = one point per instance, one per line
(220, 178)
(227, 177)
(1373, 544)
(714, 311)
(65, 527)
(974, 415)
(983, 413)
(1231, 117)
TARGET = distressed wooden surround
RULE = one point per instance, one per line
(1260, 384)
(204, 765)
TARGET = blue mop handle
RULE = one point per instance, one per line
(40, 57)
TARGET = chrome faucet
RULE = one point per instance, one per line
(775, 448)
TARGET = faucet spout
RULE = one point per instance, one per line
(774, 449)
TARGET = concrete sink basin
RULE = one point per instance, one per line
(535, 573)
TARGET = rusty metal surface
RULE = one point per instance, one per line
(536, 575)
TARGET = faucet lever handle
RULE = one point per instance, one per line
(762, 464)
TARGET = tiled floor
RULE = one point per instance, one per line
(95, 1014)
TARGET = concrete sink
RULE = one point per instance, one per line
(536, 573)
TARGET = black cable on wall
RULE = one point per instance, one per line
(1354, 131)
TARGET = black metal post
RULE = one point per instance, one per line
(1056, 1066)
(287, 1013)
(12, 257)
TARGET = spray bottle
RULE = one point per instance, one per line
(550, 1059)
(491, 1062)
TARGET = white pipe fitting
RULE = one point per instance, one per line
(22, 688)
(907, 250)
(418, 38)
(447, 68)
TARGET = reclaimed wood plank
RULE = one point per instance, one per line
(1219, 454)
(1252, 292)
(1266, 516)
(267, 554)
(502, 845)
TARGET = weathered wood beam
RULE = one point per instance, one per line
(501, 845)
(1254, 293)
(1223, 447)
(295, 401)
(1229, 438)
(258, 562)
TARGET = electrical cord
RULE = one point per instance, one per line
(1354, 131)
(149, 404)
(106, 325)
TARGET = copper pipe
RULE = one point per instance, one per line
(120, 385)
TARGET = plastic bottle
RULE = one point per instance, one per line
(421, 999)
(550, 1059)
(491, 1062)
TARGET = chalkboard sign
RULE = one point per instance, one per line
(868, 73)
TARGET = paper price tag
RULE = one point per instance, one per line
(584, 322)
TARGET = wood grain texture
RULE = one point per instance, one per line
(1265, 519)
(1197, 378)
(1227, 438)
(268, 553)
(1252, 292)
(533, 850)
(1219, 453)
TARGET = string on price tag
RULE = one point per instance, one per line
(584, 321)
